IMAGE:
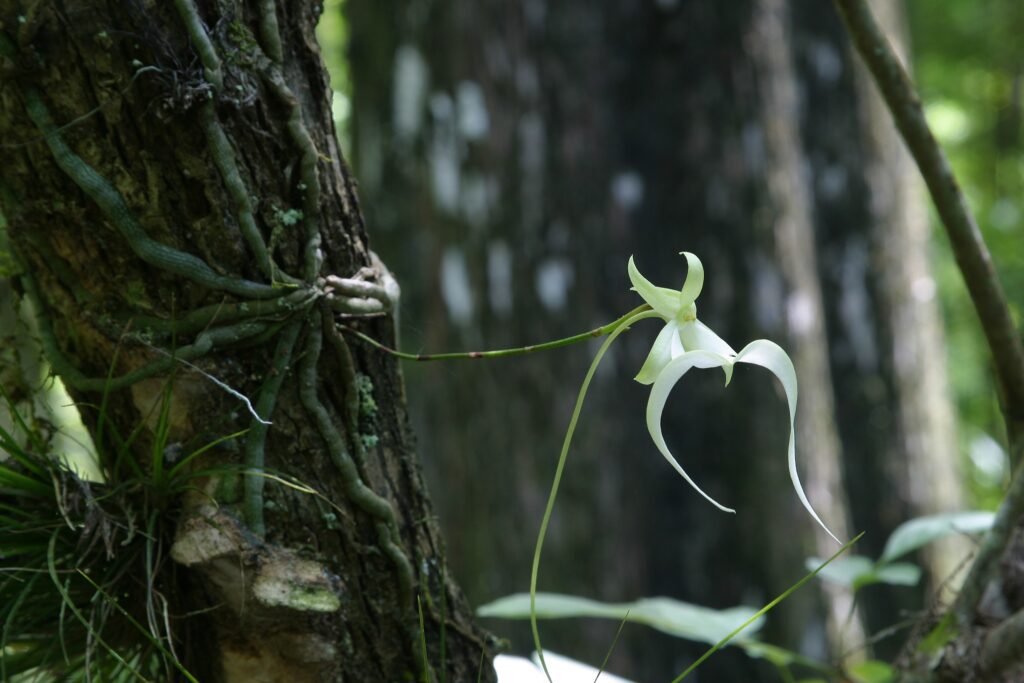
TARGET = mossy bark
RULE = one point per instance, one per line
(317, 597)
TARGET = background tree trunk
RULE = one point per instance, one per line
(513, 157)
(138, 93)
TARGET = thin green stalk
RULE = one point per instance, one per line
(621, 325)
(764, 610)
(499, 353)
(611, 648)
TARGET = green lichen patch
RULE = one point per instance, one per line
(367, 404)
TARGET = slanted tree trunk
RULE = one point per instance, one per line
(164, 158)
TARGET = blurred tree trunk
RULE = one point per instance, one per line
(514, 156)
(326, 593)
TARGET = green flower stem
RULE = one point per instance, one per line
(616, 328)
(500, 353)
(764, 610)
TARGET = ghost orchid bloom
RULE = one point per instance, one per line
(686, 343)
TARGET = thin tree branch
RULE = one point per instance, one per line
(972, 256)
(975, 262)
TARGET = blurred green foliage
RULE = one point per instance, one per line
(969, 67)
(332, 34)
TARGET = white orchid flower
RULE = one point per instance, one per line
(687, 343)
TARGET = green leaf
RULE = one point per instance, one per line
(898, 574)
(919, 532)
(845, 571)
(858, 571)
(674, 617)
(872, 671)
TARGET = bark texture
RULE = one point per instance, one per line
(537, 145)
(209, 121)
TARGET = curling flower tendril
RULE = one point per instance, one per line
(685, 343)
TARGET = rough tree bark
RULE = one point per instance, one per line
(160, 158)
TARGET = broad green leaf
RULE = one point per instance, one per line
(665, 302)
(920, 532)
(872, 671)
(674, 617)
(663, 386)
(770, 356)
(845, 571)
(898, 574)
(857, 571)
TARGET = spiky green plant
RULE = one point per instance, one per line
(85, 577)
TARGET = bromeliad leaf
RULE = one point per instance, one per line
(686, 343)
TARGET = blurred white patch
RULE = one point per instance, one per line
(517, 670)
(948, 120)
(752, 141)
(799, 313)
(444, 154)
(832, 182)
(410, 90)
(511, 669)
(531, 161)
(455, 289)
(499, 277)
(923, 289)
(567, 670)
(627, 189)
(474, 121)
(989, 460)
(767, 293)
(826, 61)
(553, 279)
(1004, 214)
(477, 196)
(854, 305)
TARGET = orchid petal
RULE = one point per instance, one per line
(770, 356)
(664, 301)
(661, 353)
(694, 281)
(697, 336)
(667, 379)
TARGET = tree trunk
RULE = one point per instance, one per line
(525, 151)
(168, 158)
